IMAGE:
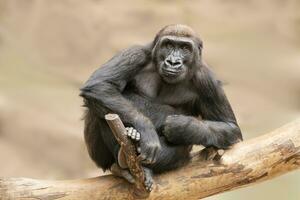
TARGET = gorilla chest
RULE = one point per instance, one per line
(149, 84)
(176, 95)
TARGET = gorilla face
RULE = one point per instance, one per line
(175, 57)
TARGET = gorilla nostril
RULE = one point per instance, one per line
(169, 62)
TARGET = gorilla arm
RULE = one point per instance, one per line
(218, 127)
(106, 85)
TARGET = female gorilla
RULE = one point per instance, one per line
(160, 89)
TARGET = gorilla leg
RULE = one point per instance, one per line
(98, 149)
(103, 147)
(170, 157)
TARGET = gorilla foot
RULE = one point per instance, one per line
(148, 179)
(211, 153)
(123, 173)
(133, 134)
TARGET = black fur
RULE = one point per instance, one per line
(163, 99)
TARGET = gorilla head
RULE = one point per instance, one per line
(176, 50)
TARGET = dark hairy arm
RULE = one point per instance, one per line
(218, 126)
(106, 85)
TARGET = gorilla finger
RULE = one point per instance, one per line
(152, 157)
(146, 161)
(129, 134)
(148, 182)
(156, 152)
(138, 149)
(149, 185)
(126, 132)
(151, 188)
(133, 134)
(142, 157)
(130, 129)
(138, 136)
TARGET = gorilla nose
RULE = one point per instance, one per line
(173, 63)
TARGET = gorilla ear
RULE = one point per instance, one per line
(200, 44)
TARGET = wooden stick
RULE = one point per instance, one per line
(129, 150)
(248, 162)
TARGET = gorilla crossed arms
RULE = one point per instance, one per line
(168, 99)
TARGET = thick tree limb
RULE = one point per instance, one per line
(248, 162)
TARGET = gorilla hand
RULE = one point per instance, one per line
(174, 128)
(149, 146)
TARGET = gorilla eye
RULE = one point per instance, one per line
(186, 47)
(168, 44)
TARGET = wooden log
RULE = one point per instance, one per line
(248, 162)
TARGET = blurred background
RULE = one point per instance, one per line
(48, 48)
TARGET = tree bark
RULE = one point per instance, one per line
(248, 162)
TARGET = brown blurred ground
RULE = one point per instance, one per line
(49, 48)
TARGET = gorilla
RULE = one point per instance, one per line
(167, 97)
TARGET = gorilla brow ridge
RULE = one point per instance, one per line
(178, 30)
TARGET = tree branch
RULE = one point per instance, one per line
(128, 148)
(248, 162)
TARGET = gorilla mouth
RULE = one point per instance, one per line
(171, 72)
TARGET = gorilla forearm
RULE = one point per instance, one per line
(154, 111)
(178, 155)
(186, 130)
